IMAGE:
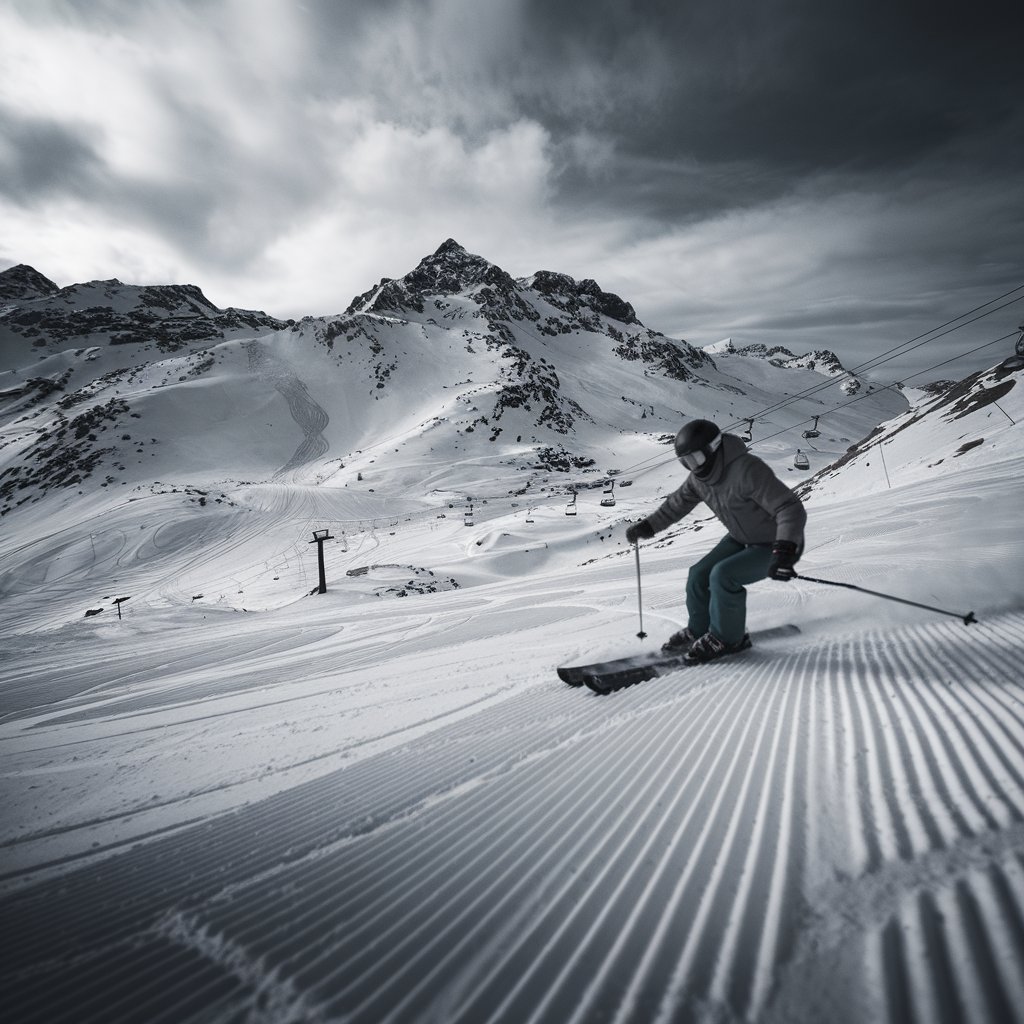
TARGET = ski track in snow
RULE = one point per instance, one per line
(829, 830)
(310, 416)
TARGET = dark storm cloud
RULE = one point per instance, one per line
(44, 159)
(700, 106)
(798, 82)
(804, 170)
(40, 158)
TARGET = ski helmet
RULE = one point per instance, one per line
(696, 446)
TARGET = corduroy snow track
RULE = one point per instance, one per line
(834, 831)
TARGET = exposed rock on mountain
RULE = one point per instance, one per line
(24, 282)
(542, 373)
(581, 300)
(451, 270)
(821, 360)
(448, 271)
(169, 317)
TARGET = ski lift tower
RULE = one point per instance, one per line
(319, 536)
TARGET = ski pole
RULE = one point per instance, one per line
(639, 593)
(967, 619)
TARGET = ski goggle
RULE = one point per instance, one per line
(694, 460)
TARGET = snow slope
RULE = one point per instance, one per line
(239, 803)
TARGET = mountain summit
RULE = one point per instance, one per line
(479, 381)
(452, 270)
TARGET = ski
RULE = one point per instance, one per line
(575, 675)
(608, 676)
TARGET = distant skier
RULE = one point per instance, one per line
(765, 520)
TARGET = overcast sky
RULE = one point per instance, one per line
(816, 173)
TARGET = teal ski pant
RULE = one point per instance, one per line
(716, 589)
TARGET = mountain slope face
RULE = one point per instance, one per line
(456, 361)
(519, 333)
(189, 436)
(78, 362)
(956, 425)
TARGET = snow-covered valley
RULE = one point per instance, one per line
(227, 798)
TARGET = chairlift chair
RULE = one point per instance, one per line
(1016, 361)
(800, 460)
(748, 431)
(814, 431)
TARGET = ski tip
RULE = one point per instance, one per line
(571, 678)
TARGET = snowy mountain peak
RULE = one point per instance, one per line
(450, 270)
(24, 282)
(465, 366)
(821, 360)
(724, 347)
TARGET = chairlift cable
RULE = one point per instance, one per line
(639, 469)
(889, 354)
(861, 398)
(642, 467)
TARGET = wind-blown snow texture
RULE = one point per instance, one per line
(245, 802)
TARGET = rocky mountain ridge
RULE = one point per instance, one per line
(822, 360)
(167, 317)
(24, 282)
(542, 373)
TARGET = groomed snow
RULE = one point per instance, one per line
(239, 803)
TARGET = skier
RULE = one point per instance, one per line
(765, 522)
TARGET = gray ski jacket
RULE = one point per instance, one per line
(755, 506)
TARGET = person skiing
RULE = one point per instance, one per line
(765, 523)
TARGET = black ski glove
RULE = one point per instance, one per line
(639, 531)
(784, 557)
